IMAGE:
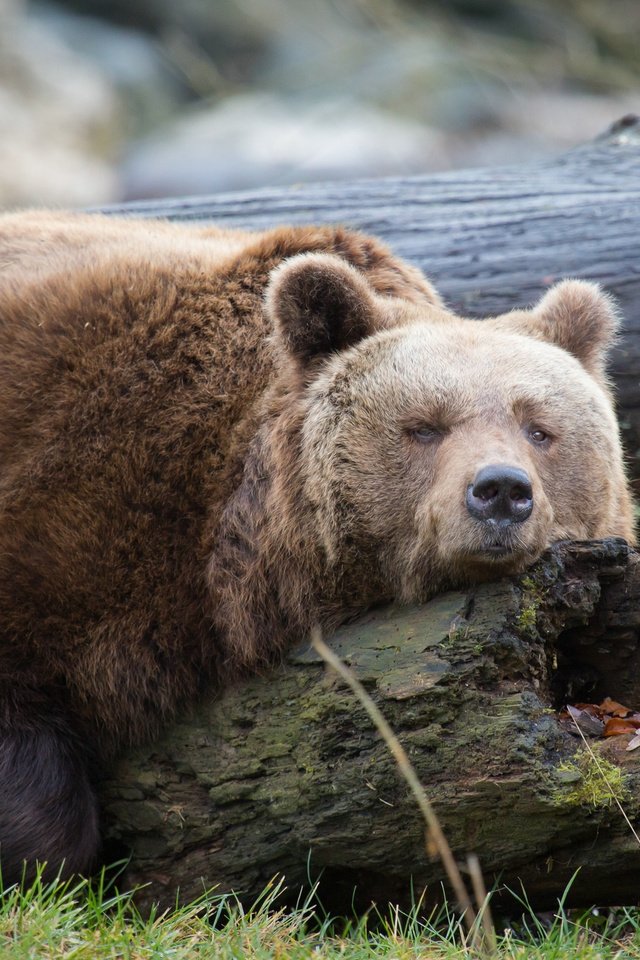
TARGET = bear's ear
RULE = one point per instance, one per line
(319, 304)
(580, 317)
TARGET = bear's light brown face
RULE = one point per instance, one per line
(451, 450)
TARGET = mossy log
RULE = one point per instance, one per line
(284, 774)
(490, 239)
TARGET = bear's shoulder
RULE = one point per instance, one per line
(67, 252)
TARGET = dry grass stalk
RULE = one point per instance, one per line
(483, 934)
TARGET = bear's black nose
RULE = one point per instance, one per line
(500, 495)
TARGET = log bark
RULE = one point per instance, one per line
(491, 239)
(284, 774)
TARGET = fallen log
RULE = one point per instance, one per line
(284, 773)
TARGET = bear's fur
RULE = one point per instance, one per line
(189, 480)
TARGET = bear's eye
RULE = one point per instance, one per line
(426, 434)
(538, 436)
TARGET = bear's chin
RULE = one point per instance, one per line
(464, 570)
(498, 560)
(478, 562)
(508, 549)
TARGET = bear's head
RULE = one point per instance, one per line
(442, 451)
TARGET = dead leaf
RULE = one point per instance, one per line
(613, 708)
(593, 709)
(615, 726)
(607, 719)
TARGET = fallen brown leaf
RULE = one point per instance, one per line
(613, 708)
(615, 726)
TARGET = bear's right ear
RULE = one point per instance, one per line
(319, 304)
(581, 318)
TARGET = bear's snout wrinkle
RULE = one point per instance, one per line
(500, 495)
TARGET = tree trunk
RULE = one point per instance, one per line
(286, 775)
(490, 239)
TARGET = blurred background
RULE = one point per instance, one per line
(110, 100)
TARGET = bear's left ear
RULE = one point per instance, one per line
(580, 317)
(319, 304)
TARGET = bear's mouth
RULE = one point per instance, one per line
(499, 545)
(496, 550)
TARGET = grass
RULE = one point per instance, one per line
(83, 922)
(85, 919)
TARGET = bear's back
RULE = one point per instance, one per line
(124, 371)
(133, 357)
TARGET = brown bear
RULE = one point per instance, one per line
(211, 440)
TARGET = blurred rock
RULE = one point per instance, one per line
(260, 139)
(58, 116)
(209, 95)
(529, 125)
(130, 61)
